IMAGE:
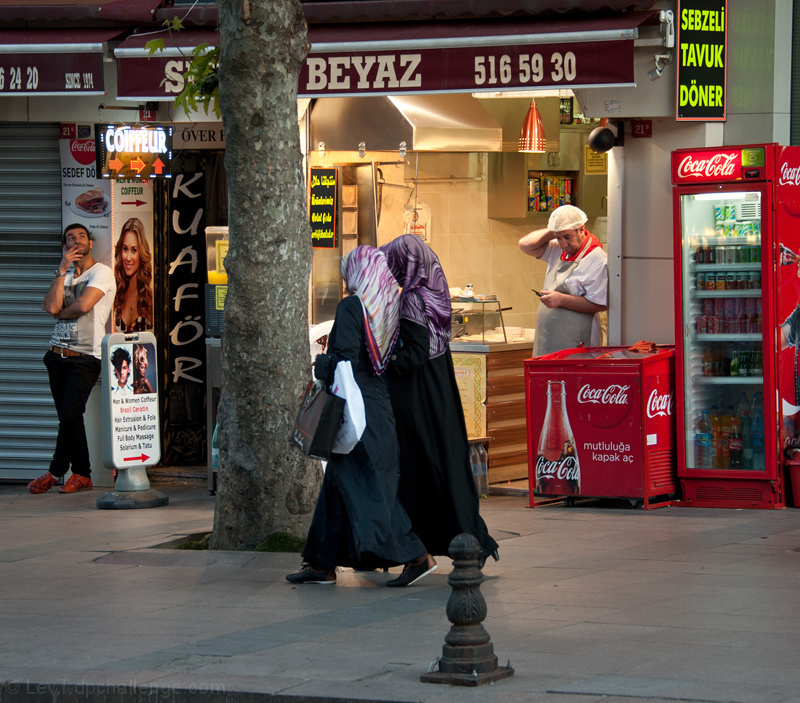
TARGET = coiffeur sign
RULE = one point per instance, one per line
(702, 53)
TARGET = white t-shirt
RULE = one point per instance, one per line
(589, 278)
(85, 334)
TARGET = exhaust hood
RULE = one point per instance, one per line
(443, 122)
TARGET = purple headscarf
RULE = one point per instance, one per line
(366, 275)
(417, 270)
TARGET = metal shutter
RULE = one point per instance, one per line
(30, 227)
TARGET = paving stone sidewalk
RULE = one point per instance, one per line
(596, 602)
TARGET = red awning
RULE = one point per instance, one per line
(53, 61)
(161, 76)
(419, 57)
(482, 55)
(98, 12)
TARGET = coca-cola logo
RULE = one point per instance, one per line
(605, 406)
(790, 175)
(660, 404)
(82, 151)
(720, 165)
(565, 470)
(610, 395)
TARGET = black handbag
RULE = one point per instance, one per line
(318, 422)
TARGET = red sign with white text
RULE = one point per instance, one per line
(724, 165)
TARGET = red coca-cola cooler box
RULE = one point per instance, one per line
(601, 424)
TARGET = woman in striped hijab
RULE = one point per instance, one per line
(436, 484)
(359, 521)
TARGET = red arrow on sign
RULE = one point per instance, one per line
(137, 164)
(141, 458)
(137, 203)
(158, 166)
(115, 164)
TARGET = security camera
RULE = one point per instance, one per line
(661, 62)
(601, 140)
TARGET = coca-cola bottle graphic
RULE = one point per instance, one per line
(558, 471)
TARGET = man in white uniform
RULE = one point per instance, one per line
(575, 285)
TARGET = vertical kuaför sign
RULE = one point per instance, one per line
(322, 207)
(702, 60)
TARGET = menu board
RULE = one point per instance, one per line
(322, 207)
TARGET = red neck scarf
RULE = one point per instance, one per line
(590, 243)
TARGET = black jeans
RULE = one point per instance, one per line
(71, 381)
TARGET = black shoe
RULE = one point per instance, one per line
(308, 574)
(413, 572)
(482, 560)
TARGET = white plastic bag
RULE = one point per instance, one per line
(353, 418)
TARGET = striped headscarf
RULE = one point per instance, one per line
(417, 269)
(366, 275)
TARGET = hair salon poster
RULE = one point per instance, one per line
(85, 198)
(132, 255)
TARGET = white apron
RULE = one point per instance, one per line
(560, 328)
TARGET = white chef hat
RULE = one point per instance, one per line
(566, 217)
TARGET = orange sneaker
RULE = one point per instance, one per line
(76, 483)
(42, 484)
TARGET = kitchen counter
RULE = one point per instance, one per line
(492, 386)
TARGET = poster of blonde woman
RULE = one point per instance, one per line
(133, 271)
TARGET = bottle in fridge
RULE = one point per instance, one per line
(736, 217)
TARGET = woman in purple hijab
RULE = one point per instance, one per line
(358, 520)
(436, 484)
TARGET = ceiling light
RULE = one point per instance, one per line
(531, 136)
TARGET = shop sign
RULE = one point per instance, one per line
(187, 272)
(467, 69)
(322, 207)
(198, 136)
(51, 74)
(717, 166)
(85, 197)
(140, 151)
(702, 60)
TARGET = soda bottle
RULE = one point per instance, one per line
(726, 424)
(759, 460)
(708, 363)
(743, 405)
(716, 438)
(734, 369)
(756, 404)
(557, 467)
(747, 442)
(702, 438)
(735, 445)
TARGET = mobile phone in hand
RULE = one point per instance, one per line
(539, 293)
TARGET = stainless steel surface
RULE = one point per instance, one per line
(447, 122)
(499, 346)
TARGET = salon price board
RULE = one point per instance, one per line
(131, 425)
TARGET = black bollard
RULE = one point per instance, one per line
(468, 657)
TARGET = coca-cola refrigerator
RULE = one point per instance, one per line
(736, 244)
(600, 424)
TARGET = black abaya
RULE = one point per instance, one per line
(436, 484)
(358, 520)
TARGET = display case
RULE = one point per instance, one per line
(216, 251)
(478, 320)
